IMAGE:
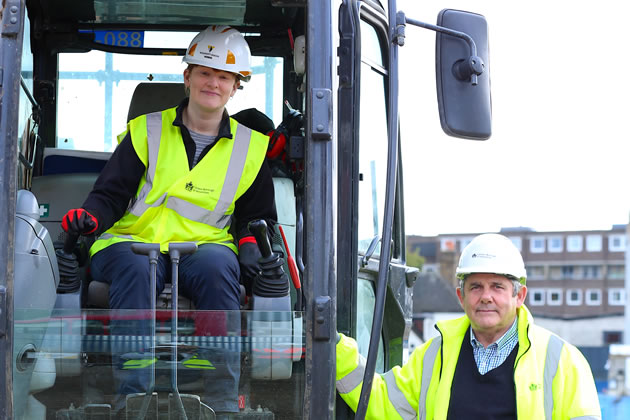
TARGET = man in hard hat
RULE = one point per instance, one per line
(182, 175)
(492, 363)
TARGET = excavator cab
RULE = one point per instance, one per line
(326, 74)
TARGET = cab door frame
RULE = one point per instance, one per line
(11, 39)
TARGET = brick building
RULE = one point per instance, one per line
(572, 275)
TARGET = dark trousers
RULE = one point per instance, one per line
(210, 278)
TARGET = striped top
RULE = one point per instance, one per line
(495, 354)
(201, 142)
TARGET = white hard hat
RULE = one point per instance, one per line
(492, 253)
(222, 48)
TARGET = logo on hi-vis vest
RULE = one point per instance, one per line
(192, 188)
(534, 387)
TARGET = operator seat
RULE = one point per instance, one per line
(154, 96)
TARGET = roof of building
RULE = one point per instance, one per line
(432, 293)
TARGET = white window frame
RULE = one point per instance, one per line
(532, 292)
(594, 243)
(550, 241)
(517, 241)
(590, 301)
(536, 249)
(617, 248)
(575, 243)
(616, 302)
(575, 302)
(552, 302)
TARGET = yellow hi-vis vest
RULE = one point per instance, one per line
(552, 379)
(177, 204)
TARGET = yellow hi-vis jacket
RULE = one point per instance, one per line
(552, 379)
(176, 204)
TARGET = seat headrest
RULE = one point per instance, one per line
(154, 96)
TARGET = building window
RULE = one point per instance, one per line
(535, 272)
(447, 245)
(616, 296)
(613, 337)
(555, 272)
(568, 272)
(555, 244)
(554, 297)
(616, 272)
(593, 243)
(617, 243)
(574, 297)
(517, 241)
(593, 297)
(537, 245)
(591, 272)
(536, 297)
(574, 243)
(563, 272)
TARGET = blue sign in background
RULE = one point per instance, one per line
(120, 38)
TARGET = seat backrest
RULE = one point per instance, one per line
(154, 96)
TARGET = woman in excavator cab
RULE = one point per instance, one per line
(183, 175)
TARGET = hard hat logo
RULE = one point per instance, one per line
(222, 48)
(208, 55)
(478, 255)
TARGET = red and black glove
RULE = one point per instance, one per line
(79, 222)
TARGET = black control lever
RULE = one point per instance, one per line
(272, 281)
(70, 242)
(258, 228)
(69, 280)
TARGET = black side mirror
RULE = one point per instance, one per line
(463, 75)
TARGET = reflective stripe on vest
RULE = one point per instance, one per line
(109, 236)
(352, 379)
(428, 361)
(217, 217)
(552, 359)
(397, 398)
(154, 133)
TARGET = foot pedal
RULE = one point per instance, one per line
(134, 406)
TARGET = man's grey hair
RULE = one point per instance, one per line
(516, 285)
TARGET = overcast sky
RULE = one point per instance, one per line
(558, 156)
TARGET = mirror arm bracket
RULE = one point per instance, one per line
(463, 69)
